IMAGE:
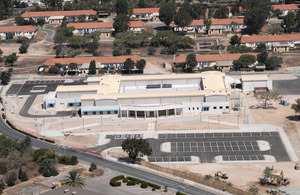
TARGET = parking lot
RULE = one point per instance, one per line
(231, 146)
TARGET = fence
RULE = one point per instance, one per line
(211, 182)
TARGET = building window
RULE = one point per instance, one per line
(108, 112)
(206, 108)
(221, 107)
(94, 113)
(189, 108)
(116, 112)
(85, 113)
(193, 108)
(51, 105)
(197, 108)
(71, 104)
(215, 107)
(227, 107)
(101, 112)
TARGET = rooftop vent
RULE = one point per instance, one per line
(73, 193)
(66, 190)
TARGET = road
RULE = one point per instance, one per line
(50, 33)
(89, 158)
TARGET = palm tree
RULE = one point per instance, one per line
(74, 179)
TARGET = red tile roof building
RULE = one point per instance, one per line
(104, 60)
(285, 7)
(26, 31)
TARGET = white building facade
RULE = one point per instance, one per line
(18, 31)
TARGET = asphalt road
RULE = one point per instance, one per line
(89, 158)
(50, 33)
(231, 146)
(287, 87)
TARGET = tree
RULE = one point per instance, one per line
(151, 51)
(296, 106)
(267, 96)
(73, 160)
(1, 186)
(128, 65)
(92, 47)
(9, 35)
(24, 48)
(47, 168)
(5, 77)
(244, 61)
(74, 179)
(11, 179)
(6, 8)
(261, 48)
(221, 13)
(191, 62)
(93, 167)
(262, 57)
(63, 34)
(256, 15)
(81, 18)
(22, 175)
(167, 12)
(273, 63)
(73, 66)
(11, 59)
(1, 52)
(136, 147)
(121, 23)
(235, 40)
(277, 12)
(3, 168)
(253, 190)
(121, 7)
(92, 67)
(141, 4)
(140, 64)
(289, 22)
(54, 70)
(182, 18)
(43, 153)
(40, 21)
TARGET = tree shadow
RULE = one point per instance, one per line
(294, 118)
(129, 160)
(261, 106)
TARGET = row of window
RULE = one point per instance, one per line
(101, 112)
(206, 108)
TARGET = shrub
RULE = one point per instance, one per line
(117, 52)
(47, 168)
(144, 185)
(153, 189)
(11, 179)
(125, 180)
(1, 186)
(3, 116)
(151, 50)
(43, 153)
(3, 167)
(93, 167)
(163, 51)
(180, 193)
(22, 175)
(154, 185)
(131, 183)
(113, 182)
(73, 160)
(54, 69)
(207, 177)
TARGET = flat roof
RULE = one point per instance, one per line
(108, 86)
(258, 77)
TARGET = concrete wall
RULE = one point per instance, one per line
(250, 85)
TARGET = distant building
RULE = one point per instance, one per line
(56, 17)
(106, 28)
(18, 31)
(285, 8)
(273, 42)
(218, 26)
(253, 82)
(218, 60)
(145, 14)
(84, 62)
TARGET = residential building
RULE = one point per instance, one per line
(84, 62)
(145, 14)
(56, 17)
(144, 96)
(106, 28)
(18, 31)
(218, 26)
(218, 60)
(285, 8)
(273, 42)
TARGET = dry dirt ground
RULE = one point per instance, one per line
(35, 185)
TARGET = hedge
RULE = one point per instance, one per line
(144, 185)
(125, 180)
(131, 183)
(141, 181)
(3, 116)
(180, 193)
(113, 182)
